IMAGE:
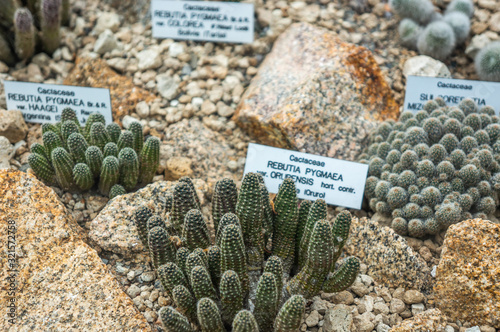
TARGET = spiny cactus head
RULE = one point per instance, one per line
(136, 129)
(129, 168)
(42, 168)
(174, 321)
(460, 24)
(114, 131)
(110, 149)
(51, 141)
(227, 219)
(487, 62)
(23, 21)
(93, 158)
(437, 40)
(68, 128)
(209, 316)
(63, 165)
(201, 283)
(291, 314)
(141, 217)
(83, 177)
(195, 230)
(68, 114)
(116, 190)
(245, 322)
(343, 277)
(38, 148)
(126, 140)
(409, 31)
(420, 11)
(464, 6)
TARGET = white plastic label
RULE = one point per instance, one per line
(43, 103)
(229, 22)
(420, 89)
(338, 182)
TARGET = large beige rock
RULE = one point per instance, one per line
(468, 276)
(430, 320)
(62, 284)
(12, 125)
(315, 93)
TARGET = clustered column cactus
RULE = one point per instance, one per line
(39, 20)
(233, 283)
(429, 32)
(435, 168)
(73, 162)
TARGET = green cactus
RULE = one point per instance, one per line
(155, 221)
(183, 201)
(209, 316)
(223, 200)
(77, 145)
(6, 54)
(249, 209)
(171, 276)
(161, 249)
(185, 302)
(268, 222)
(114, 132)
(51, 141)
(24, 34)
(149, 159)
(290, 316)
(174, 321)
(109, 174)
(213, 257)
(227, 219)
(39, 149)
(340, 231)
(409, 31)
(420, 11)
(195, 231)
(126, 140)
(129, 168)
(202, 284)
(193, 260)
(285, 223)
(437, 40)
(110, 149)
(63, 165)
(343, 277)
(233, 255)
(93, 118)
(50, 23)
(116, 190)
(304, 208)
(181, 258)
(68, 114)
(50, 127)
(83, 177)
(274, 265)
(245, 322)
(98, 135)
(141, 217)
(68, 128)
(266, 301)
(231, 296)
(318, 211)
(42, 168)
(487, 62)
(94, 158)
(136, 129)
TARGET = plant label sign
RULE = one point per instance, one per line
(420, 89)
(338, 182)
(43, 103)
(229, 22)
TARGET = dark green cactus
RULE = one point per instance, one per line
(129, 168)
(149, 159)
(50, 127)
(171, 276)
(193, 260)
(304, 208)
(223, 200)
(266, 302)
(69, 114)
(116, 190)
(161, 249)
(249, 210)
(317, 212)
(343, 277)
(231, 296)
(213, 257)
(93, 158)
(227, 219)
(114, 132)
(77, 145)
(268, 223)
(39, 149)
(290, 315)
(141, 217)
(83, 177)
(340, 231)
(93, 118)
(174, 321)
(63, 165)
(50, 23)
(285, 223)
(202, 284)
(185, 302)
(51, 141)
(245, 322)
(187, 180)
(155, 221)
(183, 201)
(126, 140)
(136, 129)
(202, 253)
(181, 258)
(98, 135)
(24, 34)
(68, 128)
(195, 231)
(274, 265)
(233, 255)
(209, 316)
(110, 174)
(42, 168)
(110, 149)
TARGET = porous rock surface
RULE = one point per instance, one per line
(468, 275)
(12, 125)
(315, 93)
(429, 320)
(62, 284)
(390, 260)
(114, 229)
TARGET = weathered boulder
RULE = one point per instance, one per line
(61, 283)
(468, 275)
(315, 93)
(338, 319)
(12, 125)
(390, 260)
(429, 320)
(114, 229)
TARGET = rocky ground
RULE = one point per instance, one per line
(186, 93)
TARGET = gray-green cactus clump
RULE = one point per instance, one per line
(487, 62)
(19, 27)
(446, 176)
(91, 148)
(234, 283)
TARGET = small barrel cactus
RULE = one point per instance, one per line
(487, 62)
(24, 33)
(437, 40)
(409, 31)
(420, 11)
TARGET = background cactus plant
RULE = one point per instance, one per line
(487, 62)
(434, 168)
(112, 169)
(235, 283)
(33, 27)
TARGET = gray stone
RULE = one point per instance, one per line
(149, 59)
(106, 42)
(312, 319)
(6, 152)
(166, 86)
(476, 44)
(142, 109)
(381, 327)
(397, 306)
(127, 121)
(413, 296)
(423, 65)
(107, 20)
(338, 319)
(473, 329)
(417, 308)
(175, 49)
(12, 125)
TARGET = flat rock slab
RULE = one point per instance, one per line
(468, 275)
(114, 229)
(62, 284)
(315, 93)
(390, 260)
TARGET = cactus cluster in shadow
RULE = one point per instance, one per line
(77, 158)
(266, 258)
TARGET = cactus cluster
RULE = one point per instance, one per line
(487, 62)
(24, 23)
(266, 259)
(436, 167)
(430, 32)
(79, 158)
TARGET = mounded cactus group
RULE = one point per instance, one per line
(436, 167)
(430, 32)
(79, 158)
(266, 259)
(22, 27)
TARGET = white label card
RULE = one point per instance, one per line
(229, 22)
(43, 103)
(420, 89)
(338, 182)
